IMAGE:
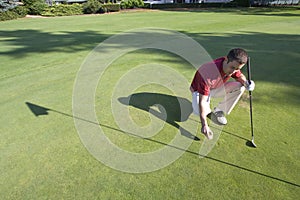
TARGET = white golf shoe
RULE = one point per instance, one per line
(218, 117)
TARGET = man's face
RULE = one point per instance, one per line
(232, 67)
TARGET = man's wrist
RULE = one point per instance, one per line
(204, 123)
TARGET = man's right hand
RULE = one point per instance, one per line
(207, 132)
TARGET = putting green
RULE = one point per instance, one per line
(43, 157)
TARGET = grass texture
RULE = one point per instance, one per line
(42, 157)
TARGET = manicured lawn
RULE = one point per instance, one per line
(43, 157)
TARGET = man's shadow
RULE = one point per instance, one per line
(170, 109)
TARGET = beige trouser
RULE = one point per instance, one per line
(231, 93)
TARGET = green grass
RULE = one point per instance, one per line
(42, 157)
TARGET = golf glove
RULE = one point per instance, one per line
(250, 86)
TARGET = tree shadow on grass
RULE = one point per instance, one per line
(38, 110)
(274, 57)
(170, 109)
(270, 52)
(35, 41)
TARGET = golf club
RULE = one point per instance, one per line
(250, 98)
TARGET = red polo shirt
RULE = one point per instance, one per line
(210, 76)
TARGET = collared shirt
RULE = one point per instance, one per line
(211, 76)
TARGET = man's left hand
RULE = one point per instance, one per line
(250, 86)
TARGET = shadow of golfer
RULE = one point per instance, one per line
(170, 109)
(39, 110)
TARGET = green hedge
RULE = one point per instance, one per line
(22, 11)
(242, 3)
(235, 3)
(63, 10)
(111, 7)
(8, 15)
(92, 7)
(35, 7)
(129, 4)
(17, 12)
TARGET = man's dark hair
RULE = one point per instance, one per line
(237, 54)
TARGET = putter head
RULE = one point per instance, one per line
(252, 141)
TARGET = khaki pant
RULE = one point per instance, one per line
(231, 93)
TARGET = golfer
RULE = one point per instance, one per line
(212, 80)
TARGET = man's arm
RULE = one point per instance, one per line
(242, 79)
(204, 110)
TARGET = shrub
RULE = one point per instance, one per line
(242, 3)
(92, 6)
(111, 7)
(21, 11)
(63, 10)
(35, 7)
(128, 4)
(8, 15)
(16, 12)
